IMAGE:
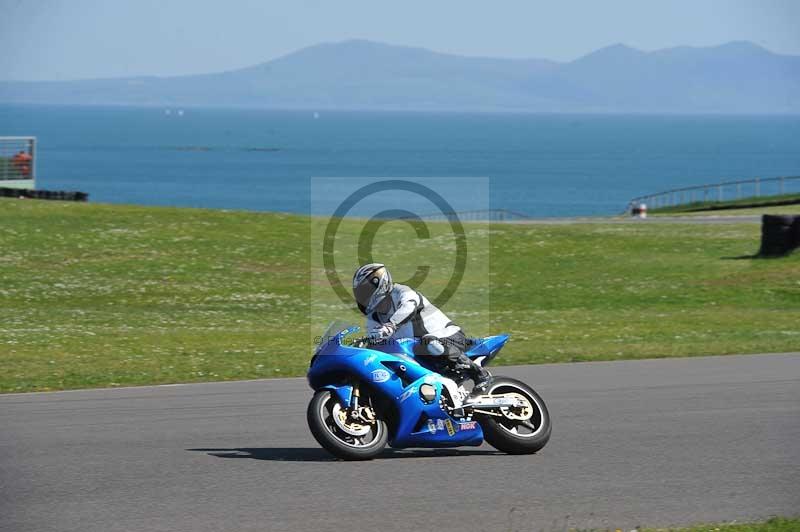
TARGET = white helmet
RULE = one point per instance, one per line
(371, 283)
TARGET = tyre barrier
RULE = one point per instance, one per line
(780, 235)
(59, 195)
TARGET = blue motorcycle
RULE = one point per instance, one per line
(369, 394)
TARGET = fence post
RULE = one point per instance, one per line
(34, 159)
(780, 187)
(719, 192)
(758, 188)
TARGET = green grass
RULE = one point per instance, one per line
(776, 524)
(99, 295)
(751, 211)
(721, 206)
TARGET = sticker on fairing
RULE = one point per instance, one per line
(468, 425)
(408, 393)
(451, 430)
(380, 375)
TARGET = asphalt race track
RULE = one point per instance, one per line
(654, 442)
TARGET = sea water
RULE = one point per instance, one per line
(537, 164)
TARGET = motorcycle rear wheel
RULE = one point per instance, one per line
(334, 439)
(517, 431)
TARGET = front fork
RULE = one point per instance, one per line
(356, 395)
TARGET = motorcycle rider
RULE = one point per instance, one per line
(395, 311)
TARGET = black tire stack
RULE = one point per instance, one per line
(780, 235)
(59, 195)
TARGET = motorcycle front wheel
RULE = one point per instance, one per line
(339, 434)
(518, 430)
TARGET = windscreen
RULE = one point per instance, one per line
(334, 328)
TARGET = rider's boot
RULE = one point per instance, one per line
(480, 377)
(482, 380)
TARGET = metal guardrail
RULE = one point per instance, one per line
(482, 215)
(717, 192)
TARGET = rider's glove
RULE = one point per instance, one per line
(382, 332)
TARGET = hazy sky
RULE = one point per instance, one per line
(70, 39)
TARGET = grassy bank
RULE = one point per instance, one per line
(777, 524)
(719, 207)
(100, 295)
(750, 211)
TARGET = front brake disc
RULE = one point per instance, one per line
(346, 424)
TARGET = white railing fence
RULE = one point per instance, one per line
(481, 215)
(718, 192)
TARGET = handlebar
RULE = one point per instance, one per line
(361, 341)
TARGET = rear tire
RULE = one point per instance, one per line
(333, 439)
(514, 436)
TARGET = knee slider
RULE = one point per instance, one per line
(433, 345)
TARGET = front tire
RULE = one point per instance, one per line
(517, 431)
(334, 438)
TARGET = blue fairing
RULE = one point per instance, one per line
(343, 392)
(487, 347)
(396, 377)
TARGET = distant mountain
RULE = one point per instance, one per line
(738, 77)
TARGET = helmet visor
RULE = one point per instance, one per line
(363, 292)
